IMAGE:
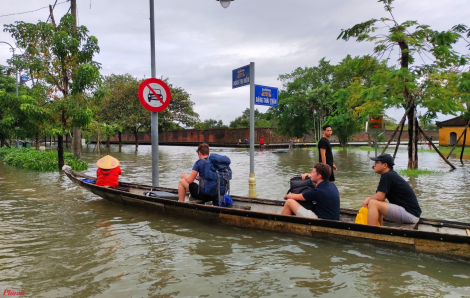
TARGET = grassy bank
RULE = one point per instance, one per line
(39, 161)
(417, 172)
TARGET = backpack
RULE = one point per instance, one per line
(217, 176)
(297, 185)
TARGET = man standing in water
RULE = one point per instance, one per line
(324, 150)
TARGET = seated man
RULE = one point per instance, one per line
(108, 171)
(402, 206)
(187, 182)
(325, 195)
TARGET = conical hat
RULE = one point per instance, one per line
(108, 162)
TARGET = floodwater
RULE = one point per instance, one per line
(58, 240)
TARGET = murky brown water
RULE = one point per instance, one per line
(58, 240)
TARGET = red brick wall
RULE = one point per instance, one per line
(231, 136)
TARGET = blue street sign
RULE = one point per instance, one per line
(241, 76)
(266, 96)
(24, 77)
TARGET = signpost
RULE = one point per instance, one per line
(375, 126)
(241, 77)
(154, 95)
(266, 96)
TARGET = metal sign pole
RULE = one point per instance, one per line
(251, 179)
(154, 115)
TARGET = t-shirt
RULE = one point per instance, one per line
(325, 144)
(200, 166)
(326, 197)
(108, 177)
(399, 192)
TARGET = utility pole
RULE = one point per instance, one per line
(77, 134)
(154, 115)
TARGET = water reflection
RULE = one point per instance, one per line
(59, 240)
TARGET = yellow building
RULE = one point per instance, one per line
(450, 130)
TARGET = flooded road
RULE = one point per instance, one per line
(58, 240)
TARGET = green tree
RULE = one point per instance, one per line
(61, 57)
(121, 106)
(261, 120)
(209, 124)
(22, 116)
(410, 85)
(305, 101)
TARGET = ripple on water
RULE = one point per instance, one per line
(60, 240)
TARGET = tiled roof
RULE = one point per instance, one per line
(457, 121)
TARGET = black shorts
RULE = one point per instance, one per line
(332, 176)
(194, 191)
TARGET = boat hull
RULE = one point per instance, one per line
(455, 242)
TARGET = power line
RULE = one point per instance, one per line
(11, 14)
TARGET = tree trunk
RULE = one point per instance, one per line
(136, 136)
(2, 140)
(463, 145)
(77, 142)
(412, 142)
(67, 141)
(60, 150)
(399, 139)
(108, 140)
(37, 141)
(395, 132)
(120, 139)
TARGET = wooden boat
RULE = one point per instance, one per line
(428, 235)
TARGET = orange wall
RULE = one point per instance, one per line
(444, 135)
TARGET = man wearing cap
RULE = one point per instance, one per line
(402, 206)
(108, 171)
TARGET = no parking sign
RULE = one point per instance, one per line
(154, 95)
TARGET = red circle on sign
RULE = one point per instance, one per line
(165, 101)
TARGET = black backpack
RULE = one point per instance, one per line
(297, 185)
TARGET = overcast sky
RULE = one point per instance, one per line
(198, 43)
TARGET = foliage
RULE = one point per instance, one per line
(121, 107)
(39, 161)
(61, 59)
(315, 95)
(261, 120)
(21, 116)
(209, 124)
(305, 100)
(411, 85)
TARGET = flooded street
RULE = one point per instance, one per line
(58, 240)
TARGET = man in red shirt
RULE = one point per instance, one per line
(108, 171)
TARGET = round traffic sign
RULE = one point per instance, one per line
(154, 95)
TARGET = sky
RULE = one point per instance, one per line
(199, 43)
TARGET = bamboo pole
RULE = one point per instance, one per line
(395, 132)
(455, 145)
(399, 139)
(435, 148)
(463, 145)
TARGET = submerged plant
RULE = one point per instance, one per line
(416, 172)
(39, 161)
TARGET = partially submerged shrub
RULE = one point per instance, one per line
(39, 161)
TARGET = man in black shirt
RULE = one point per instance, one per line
(325, 196)
(324, 150)
(402, 203)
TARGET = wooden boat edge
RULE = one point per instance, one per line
(420, 240)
